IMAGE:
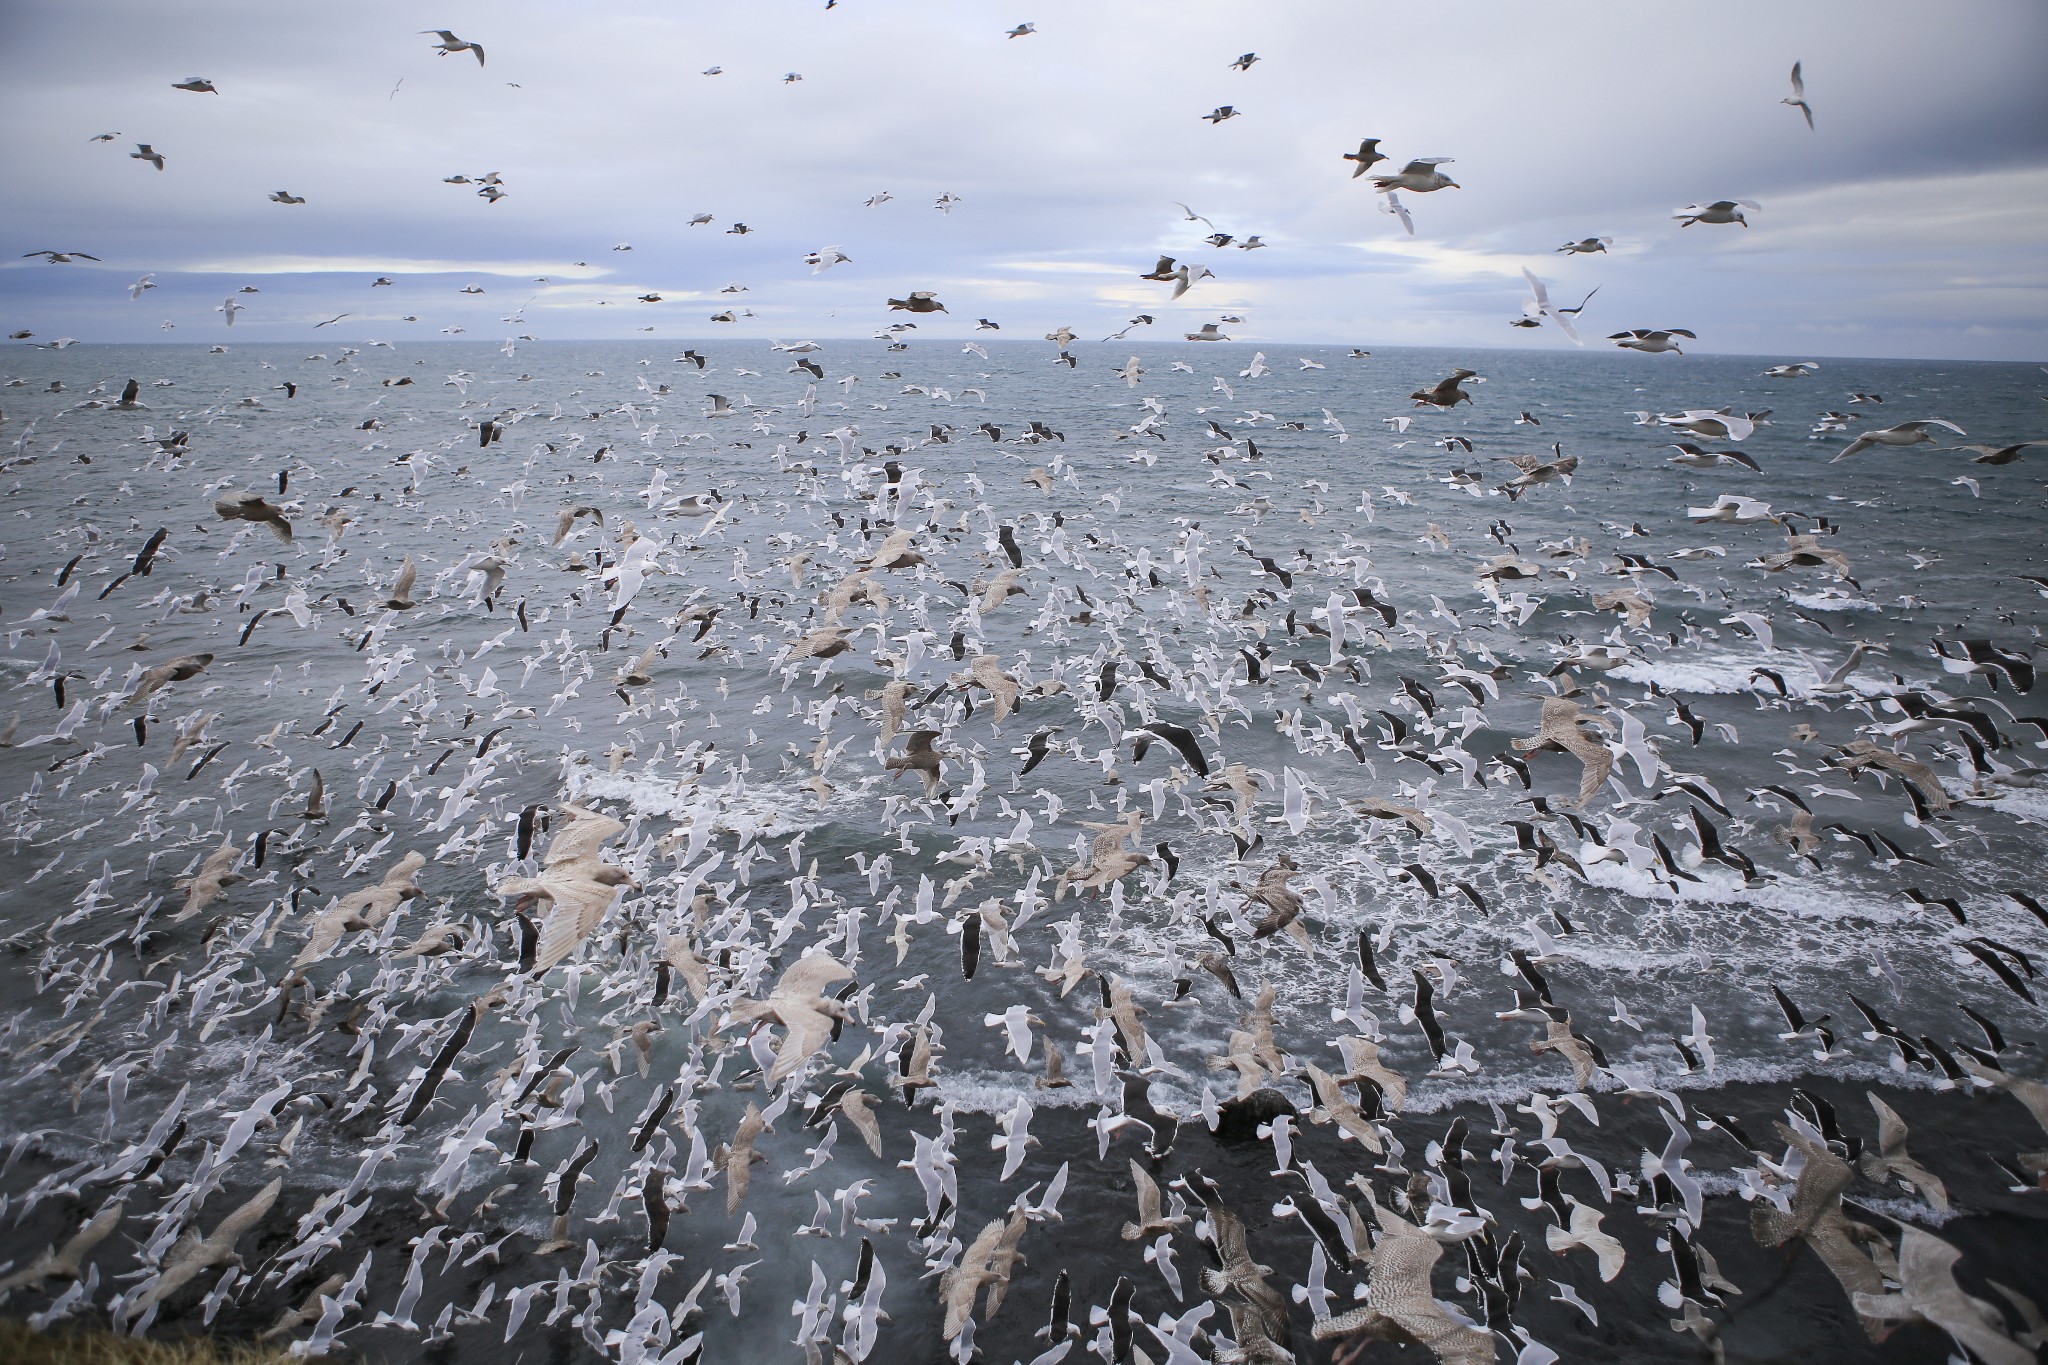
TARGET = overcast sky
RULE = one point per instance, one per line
(1910, 222)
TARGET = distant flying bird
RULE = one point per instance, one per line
(144, 152)
(920, 301)
(1367, 155)
(1222, 112)
(1021, 30)
(1244, 63)
(1539, 307)
(450, 44)
(142, 286)
(1420, 175)
(1390, 202)
(1798, 100)
(198, 85)
(1720, 211)
(59, 257)
(285, 197)
(1586, 246)
(1642, 339)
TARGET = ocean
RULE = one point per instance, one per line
(1266, 557)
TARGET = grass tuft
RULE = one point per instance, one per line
(97, 1346)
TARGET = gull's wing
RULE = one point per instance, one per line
(577, 904)
(808, 1031)
(808, 977)
(231, 1228)
(586, 833)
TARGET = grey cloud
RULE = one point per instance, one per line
(1070, 145)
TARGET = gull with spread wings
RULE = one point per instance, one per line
(575, 883)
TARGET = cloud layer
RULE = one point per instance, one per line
(1906, 223)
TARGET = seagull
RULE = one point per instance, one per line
(1586, 246)
(1798, 100)
(1695, 457)
(450, 44)
(1391, 203)
(808, 1016)
(1399, 1304)
(1904, 434)
(285, 197)
(144, 152)
(1222, 112)
(1643, 339)
(198, 85)
(578, 887)
(1928, 1293)
(1367, 155)
(1420, 175)
(1798, 369)
(1446, 393)
(1539, 307)
(1720, 211)
(1998, 454)
(62, 257)
(1021, 30)
(1244, 63)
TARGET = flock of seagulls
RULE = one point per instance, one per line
(534, 847)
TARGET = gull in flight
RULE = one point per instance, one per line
(1720, 211)
(578, 886)
(1391, 203)
(1586, 246)
(450, 44)
(198, 85)
(59, 257)
(1367, 155)
(1798, 100)
(1904, 434)
(1539, 307)
(144, 152)
(1643, 339)
(1420, 175)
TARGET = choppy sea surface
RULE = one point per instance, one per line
(1264, 559)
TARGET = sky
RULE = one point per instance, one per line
(1908, 222)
